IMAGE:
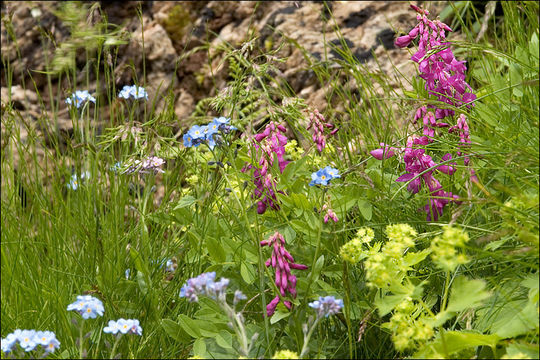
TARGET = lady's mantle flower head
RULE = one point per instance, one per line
(204, 284)
(76, 180)
(352, 251)
(79, 97)
(323, 176)
(137, 92)
(326, 306)
(123, 326)
(365, 234)
(403, 233)
(285, 354)
(444, 252)
(87, 306)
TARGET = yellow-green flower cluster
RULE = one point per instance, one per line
(365, 235)
(403, 233)
(380, 269)
(193, 180)
(293, 150)
(352, 251)
(408, 330)
(285, 354)
(444, 253)
(388, 266)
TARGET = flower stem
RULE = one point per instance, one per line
(319, 231)
(308, 336)
(115, 345)
(81, 340)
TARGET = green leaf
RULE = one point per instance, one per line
(189, 326)
(143, 285)
(137, 260)
(292, 168)
(414, 258)
(247, 272)
(516, 321)
(388, 303)
(456, 341)
(174, 330)
(365, 209)
(515, 349)
(317, 268)
(466, 294)
(185, 202)
(215, 250)
(302, 226)
(199, 348)
(534, 49)
(224, 339)
(279, 315)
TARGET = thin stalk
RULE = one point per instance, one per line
(307, 337)
(115, 345)
(81, 340)
(319, 232)
(443, 308)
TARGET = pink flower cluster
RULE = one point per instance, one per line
(318, 123)
(271, 141)
(443, 73)
(444, 78)
(330, 214)
(419, 169)
(282, 261)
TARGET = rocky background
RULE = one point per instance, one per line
(173, 33)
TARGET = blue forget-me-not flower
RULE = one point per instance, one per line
(134, 91)
(323, 176)
(87, 306)
(79, 97)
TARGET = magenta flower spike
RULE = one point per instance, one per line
(282, 261)
(267, 143)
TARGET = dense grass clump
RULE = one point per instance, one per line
(403, 223)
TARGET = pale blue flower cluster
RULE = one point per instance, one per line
(79, 97)
(134, 91)
(28, 340)
(196, 135)
(323, 176)
(76, 180)
(326, 306)
(204, 284)
(88, 306)
(123, 326)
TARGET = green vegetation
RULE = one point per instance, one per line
(462, 284)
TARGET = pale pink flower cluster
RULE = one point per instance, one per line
(318, 123)
(330, 214)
